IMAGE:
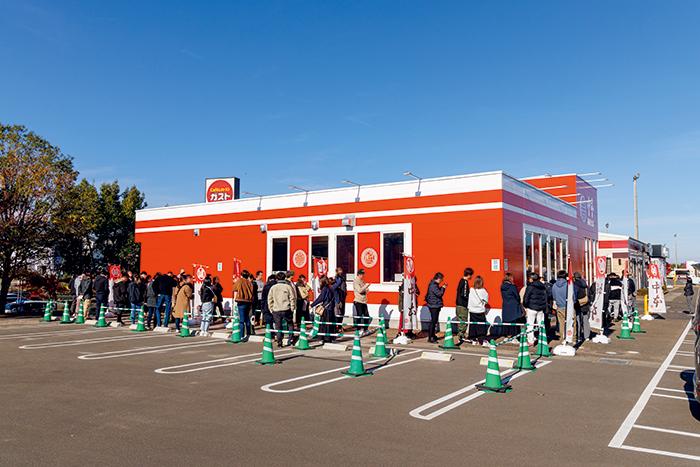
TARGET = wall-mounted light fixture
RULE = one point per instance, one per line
(357, 198)
(263, 228)
(306, 199)
(348, 221)
(417, 178)
(196, 232)
(259, 198)
(314, 225)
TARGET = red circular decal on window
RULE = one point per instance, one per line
(299, 259)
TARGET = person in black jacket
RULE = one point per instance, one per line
(164, 285)
(433, 299)
(135, 293)
(207, 294)
(688, 292)
(613, 289)
(535, 303)
(267, 314)
(582, 306)
(121, 296)
(512, 310)
(101, 288)
(219, 305)
(462, 310)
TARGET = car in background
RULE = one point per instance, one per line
(683, 274)
(21, 305)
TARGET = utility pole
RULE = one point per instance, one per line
(636, 214)
(675, 248)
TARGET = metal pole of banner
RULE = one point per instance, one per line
(636, 217)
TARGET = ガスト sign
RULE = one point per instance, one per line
(220, 190)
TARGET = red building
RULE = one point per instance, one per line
(490, 222)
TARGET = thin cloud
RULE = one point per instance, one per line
(191, 54)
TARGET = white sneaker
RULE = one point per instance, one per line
(486, 344)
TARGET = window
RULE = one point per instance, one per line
(279, 254)
(552, 259)
(345, 253)
(393, 257)
(319, 249)
(528, 252)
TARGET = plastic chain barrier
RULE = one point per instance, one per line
(517, 337)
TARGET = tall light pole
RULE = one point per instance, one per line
(675, 248)
(636, 214)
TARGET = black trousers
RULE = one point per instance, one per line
(279, 317)
(120, 310)
(434, 315)
(362, 315)
(478, 331)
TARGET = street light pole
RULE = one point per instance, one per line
(636, 214)
(675, 248)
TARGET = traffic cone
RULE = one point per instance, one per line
(47, 313)
(303, 341)
(380, 345)
(141, 326)
(625, 332)
(79, 317)
(356, 367)
(524, 363)
(493, 374)
(542, 345)
(449, 342)
(637, 327)
(185, 328)
(315, 328)
(382, 325)
(101, 321)
(66, 314)
(235, 331)
(268, 356)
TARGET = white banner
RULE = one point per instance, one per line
(570, 311)
(624, 294)
(595, 315)
(410, 308)
(657, 303)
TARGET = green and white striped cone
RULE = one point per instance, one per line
(379, 334)
(101, 321)
(141, 325)
(542, 345)
(625, 332)
(47, 313)
(316, 327)
(66, 314)
(637, 327)
(380, 345)
(235, 331)
(449, 342)
(185, 328)
(524, 363)
(303, 341)
(268, 356)
(493, 374)
(357, 368)
(79, 317)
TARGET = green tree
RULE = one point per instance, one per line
(35, 181)
(75, 224)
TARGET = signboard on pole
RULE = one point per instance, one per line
(410, 308)
(657, 303)
(320, 269)
(115, 272)
(200, 273)
(595, 314)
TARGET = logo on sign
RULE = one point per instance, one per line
(369, 257)
(654, 271)
(321, 268)
(220, 190)
(115, 272)
(601, 266)
(299, 259)
(201, 274)
(409, 265)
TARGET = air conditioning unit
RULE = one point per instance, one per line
(349, 221)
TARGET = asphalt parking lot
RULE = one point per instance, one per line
(75, 395)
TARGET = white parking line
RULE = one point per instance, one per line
(268, 387)
(674, 390)
(662, 453)
(101, 340)
(675, 397)
(38, 335)
(628, 424)
(416, 413)
(144, 350)
(166, 371)
(664, 430)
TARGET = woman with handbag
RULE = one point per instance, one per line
(324, 306)
(478, 301)
(512, 306)
(208, 297)
(303, 289)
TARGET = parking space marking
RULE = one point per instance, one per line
(166, 372)
(664, 430)
(675, 390)
(144, 350)
(101, 340)
(630, 421)
(39, 335)
(416, 413)
(268, 387)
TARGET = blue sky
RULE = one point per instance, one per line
(166, 94)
